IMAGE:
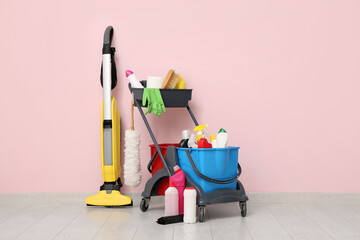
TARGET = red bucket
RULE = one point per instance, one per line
(158, 164)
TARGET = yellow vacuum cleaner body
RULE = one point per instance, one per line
(111, 171)
(109, 194)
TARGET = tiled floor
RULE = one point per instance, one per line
(39, 218)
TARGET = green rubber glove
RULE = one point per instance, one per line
(146, 98)
(154, 100)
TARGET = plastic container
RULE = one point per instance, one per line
(171, 201)
(222, 138)
(180, 84)
(157, 164)
(189, 205)
(185, 139)
(203, 143)
(135, 83)
(215, 163)
(213, 141)
(179, 182)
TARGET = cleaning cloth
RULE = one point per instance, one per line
(154, 100)
(170, 219)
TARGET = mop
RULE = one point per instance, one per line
(132, 169)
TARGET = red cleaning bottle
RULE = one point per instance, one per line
(203, 143)
(179, 182)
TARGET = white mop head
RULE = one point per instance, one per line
(132, 169)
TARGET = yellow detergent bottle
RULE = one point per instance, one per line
(180, 84)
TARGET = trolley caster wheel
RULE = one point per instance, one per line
(243, 208)
(144, 204)
(201, 213)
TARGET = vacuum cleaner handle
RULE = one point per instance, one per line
(108, 35)
(107, 49)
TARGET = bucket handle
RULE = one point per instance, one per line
(211, 179)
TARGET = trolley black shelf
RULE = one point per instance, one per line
(173, 98)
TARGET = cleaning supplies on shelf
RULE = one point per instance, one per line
(171, 79)
(180, 84)
(213, 141)
(154, 82)
(135, 83)
(185, 139)
(171, 201)
(152, 97)
(179, 182)
(189, 205)
(132, 166)
(170, 219)
(222, 138)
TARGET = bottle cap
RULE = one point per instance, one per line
(128, 73)
(176, 168)
(212, 137)
(190, 188)
(172, 184)
(222, 130)
(185, 134)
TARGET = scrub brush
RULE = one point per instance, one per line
(132, 169)
(171, 79)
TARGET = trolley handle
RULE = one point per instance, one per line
(211, 179)
(151, 162)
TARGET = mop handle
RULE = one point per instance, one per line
(132, 112)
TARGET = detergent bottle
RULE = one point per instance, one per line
(213, 141)
(190, 205)
(202, 142)
(171, 201)
(222, 138)
(185, 139)
(178, 179)
(180, 84)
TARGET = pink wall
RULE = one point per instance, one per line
(282, 77)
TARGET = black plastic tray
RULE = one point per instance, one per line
(171, 97)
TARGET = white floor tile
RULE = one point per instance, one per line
(29, 216)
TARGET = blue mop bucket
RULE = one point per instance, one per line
(211, 168)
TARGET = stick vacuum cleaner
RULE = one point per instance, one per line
(109, 194)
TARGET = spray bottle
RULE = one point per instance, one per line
(202, 142)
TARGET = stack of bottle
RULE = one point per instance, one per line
(200, 141)
(180, 200)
